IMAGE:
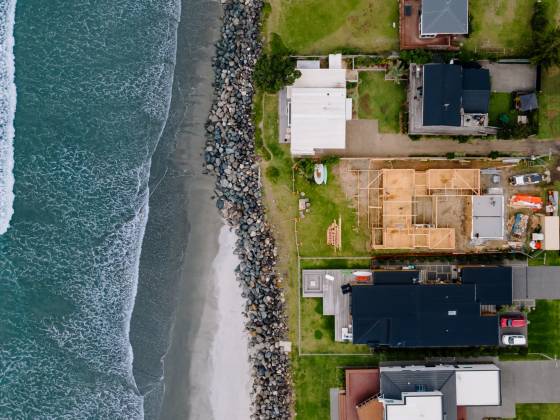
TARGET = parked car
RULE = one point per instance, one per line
(514, 340)
(512, 322)
(526, 179)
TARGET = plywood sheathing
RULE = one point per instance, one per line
(397, 211)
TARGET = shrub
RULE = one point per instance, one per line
(450, 155)
(272, 173)
(461, 139)
(330, 160)
(417, 56)
(305, 168)
(494, 154)
(274, 71)
(414, 137)
(368, 61)
(318, 334)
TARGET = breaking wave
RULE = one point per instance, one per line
(7, 112)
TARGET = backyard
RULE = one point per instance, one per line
(549, 101)
(500, 103)
(381, 100)
(323, 26)
(502, 26)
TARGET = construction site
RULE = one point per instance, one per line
(406, 208)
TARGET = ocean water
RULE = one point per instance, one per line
(93, 82)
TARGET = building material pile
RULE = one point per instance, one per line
(334, 235)
(526, 201)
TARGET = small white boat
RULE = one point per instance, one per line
(320, 173)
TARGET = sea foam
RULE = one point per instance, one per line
(7, 112)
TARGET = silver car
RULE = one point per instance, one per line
(514, 340)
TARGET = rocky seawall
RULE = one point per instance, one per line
(230, 155)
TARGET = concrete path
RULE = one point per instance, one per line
(392, 145)
(523, 382)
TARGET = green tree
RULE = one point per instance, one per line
(274, 71)
(546, 38)
(546, 51)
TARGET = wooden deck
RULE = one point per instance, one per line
(334, 302)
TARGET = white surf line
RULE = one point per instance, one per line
(7, 114)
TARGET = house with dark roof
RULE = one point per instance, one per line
(449, 99)
(399, 391)
(444, 17)
(413, 314)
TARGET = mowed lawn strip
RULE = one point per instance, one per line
(324, 26)
(544, 331)
(537, 412)
(549, 103)
(381, 100)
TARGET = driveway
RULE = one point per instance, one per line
(536, 283)
(523, 382)
(511, 77)
(399, 145)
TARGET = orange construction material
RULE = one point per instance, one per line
(527, 201)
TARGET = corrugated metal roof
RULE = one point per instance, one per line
(445, 17)
(318, 111)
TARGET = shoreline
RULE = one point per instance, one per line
(181, 238)
(230, 156)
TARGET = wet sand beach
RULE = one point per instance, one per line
(178, 306)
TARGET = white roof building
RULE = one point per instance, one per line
(434, 392)
(551, 230)
(318, 108)
(487, 216)
(416, 406)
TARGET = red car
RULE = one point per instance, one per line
(508, 322)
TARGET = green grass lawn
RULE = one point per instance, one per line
(328, 202)
(544, 330)
(500, 103)
(381, 100)
(549, 103)
(500, 25)
(537, 412)
(317, 331)
(546, 258)
(323, 26)
(313, 377)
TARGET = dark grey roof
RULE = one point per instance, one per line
(445, 17)
(420, 316)
(442, 95)
(448, 88)
(394, 383)
(476, 90)
(494, 285)
(528, 102)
